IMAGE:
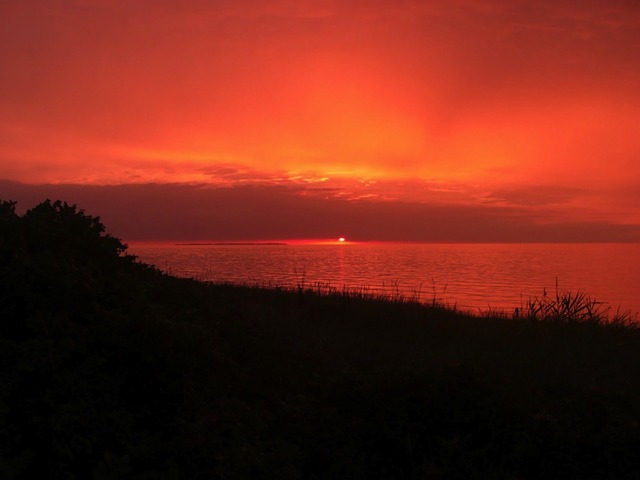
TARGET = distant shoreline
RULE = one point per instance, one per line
(231, 243)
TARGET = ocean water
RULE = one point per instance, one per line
(470, 276)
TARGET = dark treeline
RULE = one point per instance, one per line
(111, 369)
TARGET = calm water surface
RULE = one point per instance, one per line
(470, 276)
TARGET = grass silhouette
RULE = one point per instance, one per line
(111, 369)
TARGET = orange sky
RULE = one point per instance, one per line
(526, 108)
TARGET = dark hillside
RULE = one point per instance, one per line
(111, 369)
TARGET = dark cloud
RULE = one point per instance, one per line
(188, 212)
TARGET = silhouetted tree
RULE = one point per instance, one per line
(63, 229)
(76, 389)
(8, 225)
(7, 210)
(55, 258)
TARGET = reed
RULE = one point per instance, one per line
(562, 306)
(567, 306)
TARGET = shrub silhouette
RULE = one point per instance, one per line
(63, 229)
(8, 226)
(81, 370)
(57, 259)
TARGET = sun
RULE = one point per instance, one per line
(342, 239)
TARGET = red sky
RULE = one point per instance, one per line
(502, 116)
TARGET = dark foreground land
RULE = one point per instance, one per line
(110, 369)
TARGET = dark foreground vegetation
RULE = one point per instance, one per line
(111, 369)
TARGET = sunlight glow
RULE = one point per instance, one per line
(377, 114)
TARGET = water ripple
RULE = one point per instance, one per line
(470, 276)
